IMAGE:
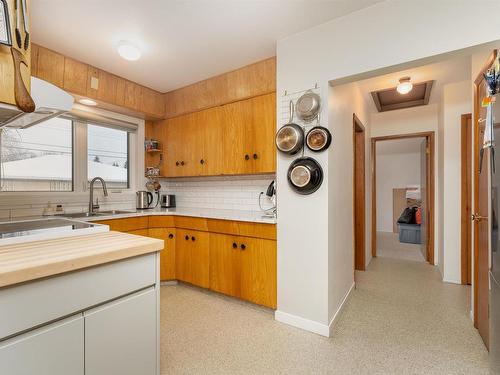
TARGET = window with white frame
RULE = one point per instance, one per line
(38, 158)
(64, 154)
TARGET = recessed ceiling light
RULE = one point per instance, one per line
(405, 85)
(86, 101)
(128, 51)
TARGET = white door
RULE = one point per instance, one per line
(55, 349)
(120, 337)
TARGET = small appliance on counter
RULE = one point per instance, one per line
(143, 200)
(271, 195)
(167, 200)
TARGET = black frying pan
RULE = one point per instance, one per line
(305, 175)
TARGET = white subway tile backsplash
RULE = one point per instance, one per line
(232, 193)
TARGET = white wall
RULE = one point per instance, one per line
(457, 100)
(350, 46)
(395, 170)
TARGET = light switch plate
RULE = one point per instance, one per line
(94, 83)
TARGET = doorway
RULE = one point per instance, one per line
(359, 194)
(426, 191)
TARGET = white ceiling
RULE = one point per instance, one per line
(399, 146)
(447, 71)
(182, 41)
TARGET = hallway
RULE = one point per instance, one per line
(401, 319)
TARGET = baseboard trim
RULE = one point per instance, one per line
(170, 282)
(302, 323)
(339, 310)
(451, 281)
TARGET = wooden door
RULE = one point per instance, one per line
(167, 255)
(359, 195)
(192, 260)
(466, 198)
(481, 212)
(261, 133)
(258, 271)
(225, 270)
(424, 156)
(237, 142)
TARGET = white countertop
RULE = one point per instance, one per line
(209, 213)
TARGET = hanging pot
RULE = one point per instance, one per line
(318, 139)
(305, 175)
(290, 137)
(308, 106)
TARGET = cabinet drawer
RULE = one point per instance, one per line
(126, 225)
(56, 349)
(187, 222)
(29, 305)
(161, 222)
(242, 228)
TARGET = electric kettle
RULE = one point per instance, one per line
(143, 200)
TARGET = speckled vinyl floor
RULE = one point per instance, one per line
(401, 319)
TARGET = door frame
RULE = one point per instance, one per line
(359, 194)
(491, 59)
(466, 129)
(430, 136)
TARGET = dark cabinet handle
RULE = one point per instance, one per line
(182, 162)
(243, 247)
(255, 156)
(177, 163)
(235, 245)
(193, 238)
(186, 238)
(202, 161)
(170, 236)
(247, 157)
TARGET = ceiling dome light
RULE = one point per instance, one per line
(86, 101)
(128, 51)
(405, 86)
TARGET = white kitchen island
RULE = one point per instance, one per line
(80, 305)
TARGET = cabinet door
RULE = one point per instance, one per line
(167, 255)
(121, 336)
(50, 66)
(192, 257)
(258, 271)
(171, 136)
(225, 264)
(192, 143)
(139, 232)
(237, 140)
(55, 349)
(212, 158)
(263, 129)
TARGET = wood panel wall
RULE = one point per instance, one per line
(252, 80)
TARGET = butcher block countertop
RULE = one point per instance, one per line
(33, 260)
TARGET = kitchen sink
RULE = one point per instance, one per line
(96, 214)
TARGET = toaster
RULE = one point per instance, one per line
(167, 200)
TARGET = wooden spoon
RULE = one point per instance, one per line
(21, 94)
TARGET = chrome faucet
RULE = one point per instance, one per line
(92, 206)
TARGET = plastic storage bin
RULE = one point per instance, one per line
(409, 233)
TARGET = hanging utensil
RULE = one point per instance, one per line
(318, 138)
(308, 106)
(21, 94)
(290, 137)
(5, 36)
(19, 40)
(305, 175)
(25, 24)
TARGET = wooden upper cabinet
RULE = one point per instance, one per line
(128, 94)
(152, 102)
(233, 139)
(75, 76)
(101, 85)
(50, 66)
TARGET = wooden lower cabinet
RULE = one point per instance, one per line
(192, 257)
(139, 232)
(244, 267)
(167, 255)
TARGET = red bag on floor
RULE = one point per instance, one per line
(418, 216)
